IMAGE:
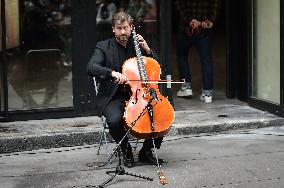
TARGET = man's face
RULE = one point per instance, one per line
(122, 32)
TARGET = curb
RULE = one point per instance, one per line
(10, 145)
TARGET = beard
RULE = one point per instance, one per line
(123, 39)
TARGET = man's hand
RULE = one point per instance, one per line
(194, 23)
(207, 24)
(142, 42)
(119, 78)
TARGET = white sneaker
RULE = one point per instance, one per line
(206, 96)
(185, 91)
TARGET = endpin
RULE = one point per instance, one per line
(163, 179)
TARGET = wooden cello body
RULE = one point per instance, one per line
(148, 113)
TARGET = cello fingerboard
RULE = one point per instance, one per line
(140, 62)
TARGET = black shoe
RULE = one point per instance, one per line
(147, 156)
(128, 160)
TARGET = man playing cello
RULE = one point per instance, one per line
(106, 66)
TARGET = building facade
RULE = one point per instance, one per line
(46, 44)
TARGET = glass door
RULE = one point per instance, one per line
(266, 51)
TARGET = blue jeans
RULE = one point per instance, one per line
(203, 44)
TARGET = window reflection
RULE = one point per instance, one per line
(105, 10)
(39, 70)
(144, 13)
(138, 9)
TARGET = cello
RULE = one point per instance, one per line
(148, 114)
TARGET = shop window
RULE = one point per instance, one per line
(39, 66)
(266, 59)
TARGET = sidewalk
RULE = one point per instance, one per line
(222, 115)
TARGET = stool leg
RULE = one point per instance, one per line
(105, 137)
(107, 146)
(101, 140)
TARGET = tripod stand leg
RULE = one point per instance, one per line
(107, 181)
(139, 176)
(121, 171)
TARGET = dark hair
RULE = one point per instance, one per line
(121, 17)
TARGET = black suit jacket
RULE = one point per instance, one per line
(105, 60)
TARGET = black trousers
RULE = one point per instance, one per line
(114, 117)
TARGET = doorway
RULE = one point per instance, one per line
(219, 57)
